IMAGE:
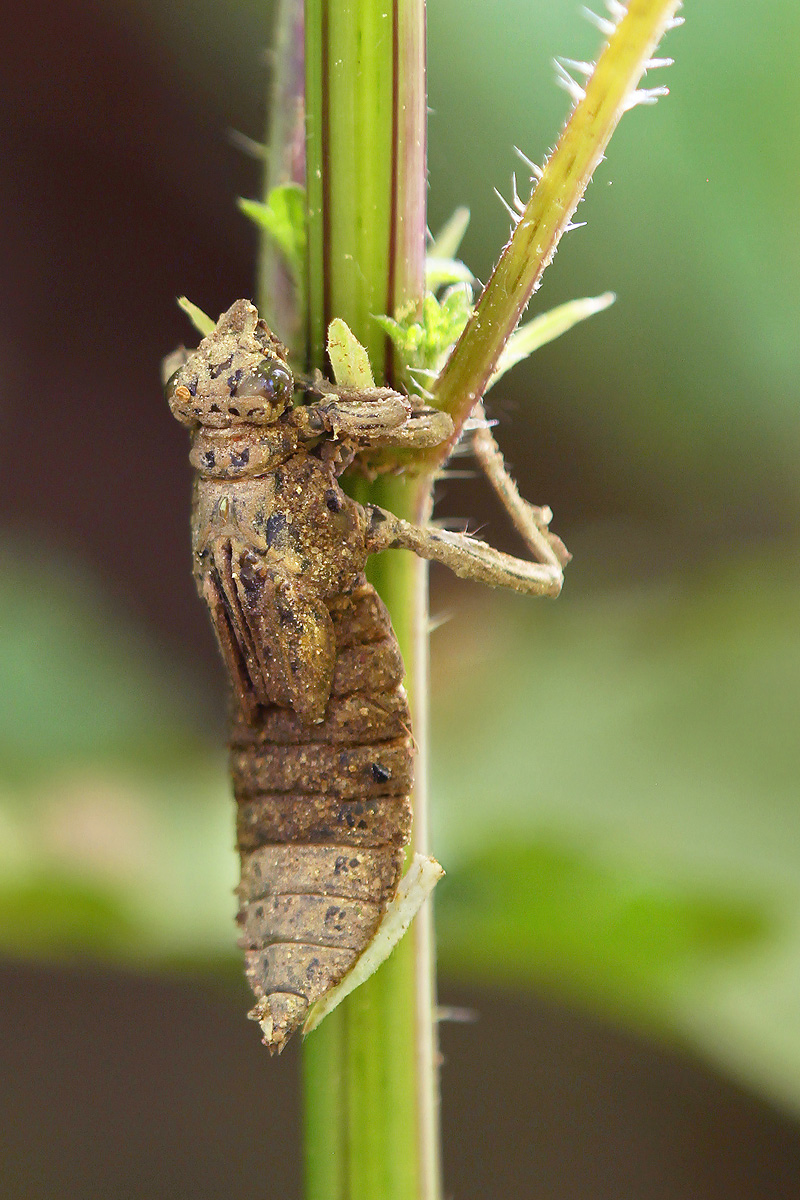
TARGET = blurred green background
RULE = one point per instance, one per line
(615, 776)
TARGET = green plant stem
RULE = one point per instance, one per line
(369, 1079)
(547, 214)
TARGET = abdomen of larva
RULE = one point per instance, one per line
(323, 821)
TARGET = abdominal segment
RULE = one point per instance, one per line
(323, 821)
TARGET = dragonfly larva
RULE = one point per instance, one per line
(321, 744)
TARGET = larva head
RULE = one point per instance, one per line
(237, 375)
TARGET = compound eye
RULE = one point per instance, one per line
(171, 385)
(270, 380)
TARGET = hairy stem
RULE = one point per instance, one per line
(284, 163)
(608, 94)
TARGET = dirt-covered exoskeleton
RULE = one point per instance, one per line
(321, 745)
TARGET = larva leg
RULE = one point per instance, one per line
(530, 522)
(229, 645)
(463, 555)
(379, 418)
(372, 414)
(424, 428)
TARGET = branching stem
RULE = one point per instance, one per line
(609, 92)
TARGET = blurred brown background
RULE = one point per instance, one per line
(665, 436)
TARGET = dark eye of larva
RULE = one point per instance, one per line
(270, 380)
(171, 384)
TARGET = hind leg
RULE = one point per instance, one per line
(464, 556)
(530, 522)
(471, 558)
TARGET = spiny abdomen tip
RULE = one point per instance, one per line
(279, 1015)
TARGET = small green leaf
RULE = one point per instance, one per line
(349, 359)
(441, 272)
(442, 268)
(546, 328)
(283, 217)
(423, 344)
(201, 322)
(447, 241)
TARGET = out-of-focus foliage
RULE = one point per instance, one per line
(78, 686)
(641, 746)
(283, 216)
(114, 831)
(545, 912)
